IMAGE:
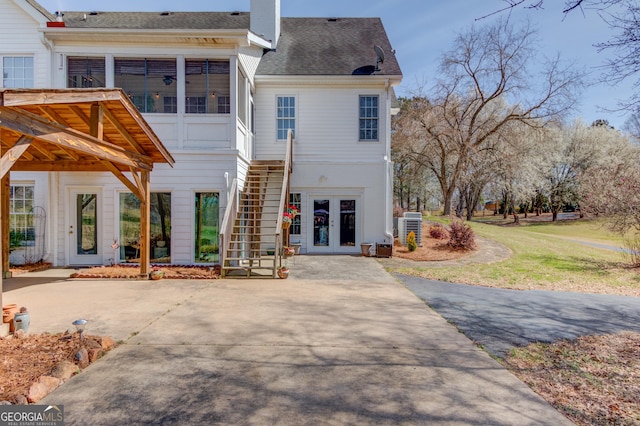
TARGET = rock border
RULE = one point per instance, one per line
(65, 369)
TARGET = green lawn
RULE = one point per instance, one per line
(545, 256)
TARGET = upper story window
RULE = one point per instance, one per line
(243, 97)
(224, 104)
(369, 118)
(17, 72)
(85, 72)
(208, 88)
(285, 116)
(147, 82)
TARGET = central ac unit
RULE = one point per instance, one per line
(410, 223)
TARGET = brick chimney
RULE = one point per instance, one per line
(265, 19)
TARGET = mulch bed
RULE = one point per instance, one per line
(120, 271)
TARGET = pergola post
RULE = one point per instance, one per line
(3, 215)
(145, 223)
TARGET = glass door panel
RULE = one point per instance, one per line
(321, 221)
(86, 224)
(84, 227)
(347, 223)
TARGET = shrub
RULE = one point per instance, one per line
(412, 245)
(438, 232)
(461, 237)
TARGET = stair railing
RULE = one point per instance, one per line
(284, 195)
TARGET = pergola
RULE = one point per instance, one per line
(77, 130)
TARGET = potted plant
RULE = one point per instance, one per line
(292, 210)
(283, 272)
(288, 251)
(286, 220)
(156, 273)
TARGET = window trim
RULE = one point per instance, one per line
(295, 115)
(13, 213)
(377, 119)
(33, 69)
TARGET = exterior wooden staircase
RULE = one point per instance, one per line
(251, 233)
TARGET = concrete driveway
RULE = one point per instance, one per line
(339, 342)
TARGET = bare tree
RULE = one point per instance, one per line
(484, 84)
(623, 18)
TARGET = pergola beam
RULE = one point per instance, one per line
(34, 126)
(13, 154)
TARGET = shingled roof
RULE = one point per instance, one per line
(158, 20)
(334, 46)
(307, 46)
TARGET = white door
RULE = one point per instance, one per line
(83, 227)
(334, 224)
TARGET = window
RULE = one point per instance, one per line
(196, 105)
(85, 72)
(148, 82)
(17, 72)
(21, 218)
(368, 118)
(160, 224)
(170, 104)
(242, 97)
(224, 104)
(295, 201)
(208, 82)
(286, 116)
(207, 231)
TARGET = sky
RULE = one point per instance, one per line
(420, 31)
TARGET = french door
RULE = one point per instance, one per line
(334, 225)
(84, 227)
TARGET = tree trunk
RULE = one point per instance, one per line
(448, 195)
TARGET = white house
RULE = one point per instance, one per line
(221, 90)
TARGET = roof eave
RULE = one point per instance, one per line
(241, 37)
(323, 80)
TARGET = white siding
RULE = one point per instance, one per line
(327, 126)
(249, 58)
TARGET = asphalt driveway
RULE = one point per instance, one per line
(500, 319)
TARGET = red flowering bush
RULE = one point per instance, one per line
(461, 236)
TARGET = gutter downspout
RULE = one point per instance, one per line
(51, 238)
(388, 172)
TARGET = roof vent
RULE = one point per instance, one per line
(165, 14)
(332, 19)
(93, 13)
(235, 13)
